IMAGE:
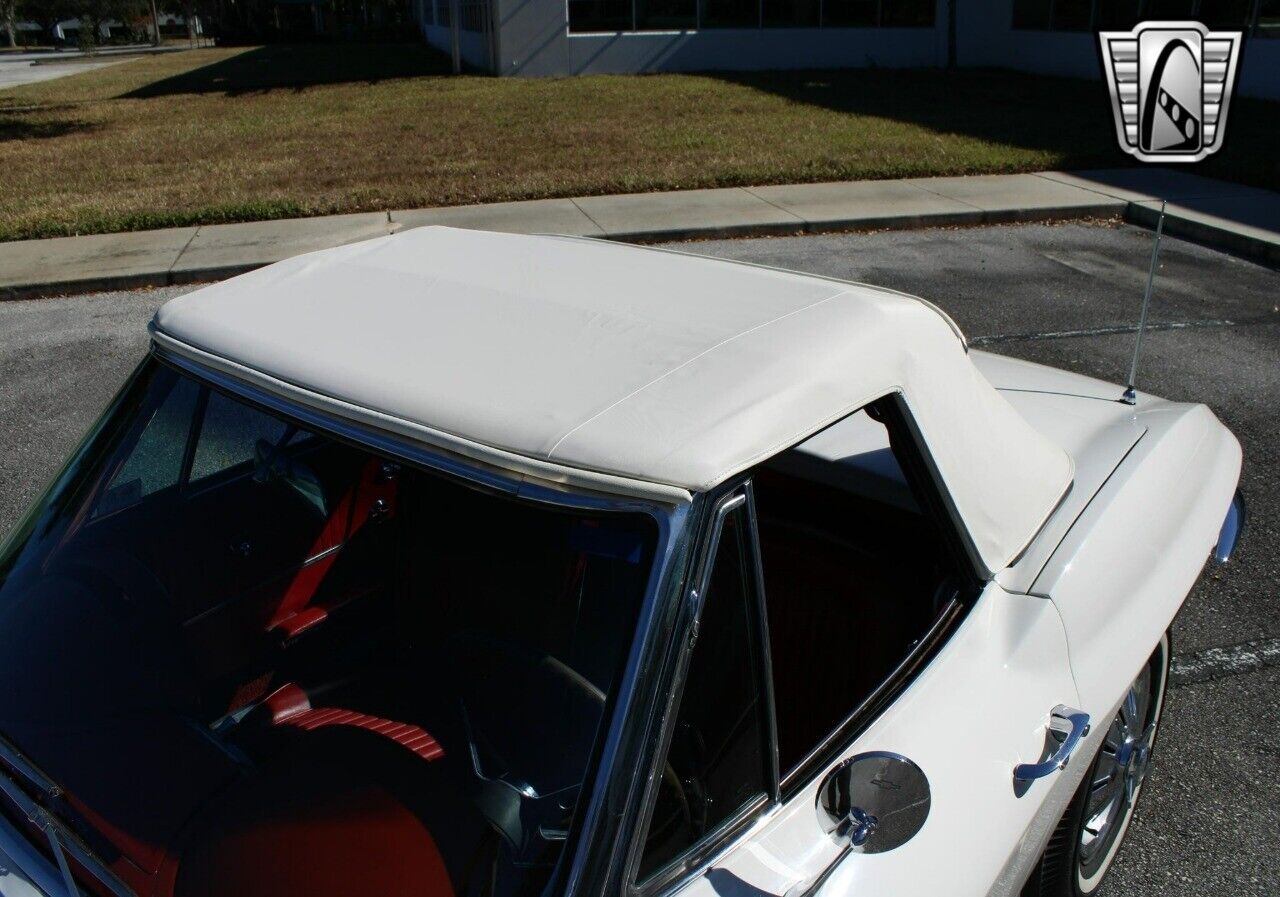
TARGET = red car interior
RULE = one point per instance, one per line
(289, 705)
(298, 668)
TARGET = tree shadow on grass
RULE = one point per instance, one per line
(299, 66)
(1067, 117)
(20, 126)
(1070, 119)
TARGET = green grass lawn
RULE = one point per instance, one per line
(251, 133)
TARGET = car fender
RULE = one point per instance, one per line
(1126, 565)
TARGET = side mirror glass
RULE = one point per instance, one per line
(874, 802)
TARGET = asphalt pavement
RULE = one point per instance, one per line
(1066, 295)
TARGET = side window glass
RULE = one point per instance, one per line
(855, 574)
(229, 435)
(154, 461)
(716, 763)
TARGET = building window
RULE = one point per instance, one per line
(1117, 15)
(1072, 15)
(730, 13)
(906, 13)
(1260, 18)
(666, 15)
(851, 13)
(588, 16)
(1225, 14)
(792, 13)
(473, 15)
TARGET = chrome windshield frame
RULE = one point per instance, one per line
(52, 878)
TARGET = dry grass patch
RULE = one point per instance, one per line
(248, 134)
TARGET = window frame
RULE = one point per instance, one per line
(935, 502)
(930, 493)
(192, 488)
(760, 23)
(690, 863)
(174, 491)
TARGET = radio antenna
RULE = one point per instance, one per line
(1130, 396)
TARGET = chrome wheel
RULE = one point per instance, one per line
(1117, 775)
(1089, 834)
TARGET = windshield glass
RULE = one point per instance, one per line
(261, 661)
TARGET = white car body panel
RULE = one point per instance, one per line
(1122, 572)
(978, 710)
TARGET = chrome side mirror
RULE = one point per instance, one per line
(874, 802)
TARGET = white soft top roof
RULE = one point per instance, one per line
(615, 367)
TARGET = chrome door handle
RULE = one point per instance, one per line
(1064, 720)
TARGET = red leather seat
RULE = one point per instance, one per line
(289, 705)
(315, 827)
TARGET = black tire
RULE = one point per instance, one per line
(1069, 867)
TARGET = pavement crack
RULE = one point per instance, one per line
(803, 223)
(995, 339)
(1219, 663)
(577, 205)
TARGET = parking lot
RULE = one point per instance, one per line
(1065, 295)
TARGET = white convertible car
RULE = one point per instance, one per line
(458, 563)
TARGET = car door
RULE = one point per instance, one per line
(967, 703)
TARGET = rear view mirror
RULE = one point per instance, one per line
(271, 464)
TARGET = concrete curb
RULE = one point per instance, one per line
(1234, 240)
(1242, 220)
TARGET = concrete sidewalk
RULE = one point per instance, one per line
(1243, 220)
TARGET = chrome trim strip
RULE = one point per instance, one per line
(393, 445)
(30, 862)
(13, 758)
(237, 378)
(62, 840)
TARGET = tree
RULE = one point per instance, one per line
(9, 13)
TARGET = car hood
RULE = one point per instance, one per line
(1084, 416)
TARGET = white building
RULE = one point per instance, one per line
(1056, 37)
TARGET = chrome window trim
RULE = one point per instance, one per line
(237, 379)
(936, 504)
(701, 855)
(841, 739)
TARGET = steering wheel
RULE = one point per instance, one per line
(680, 814)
